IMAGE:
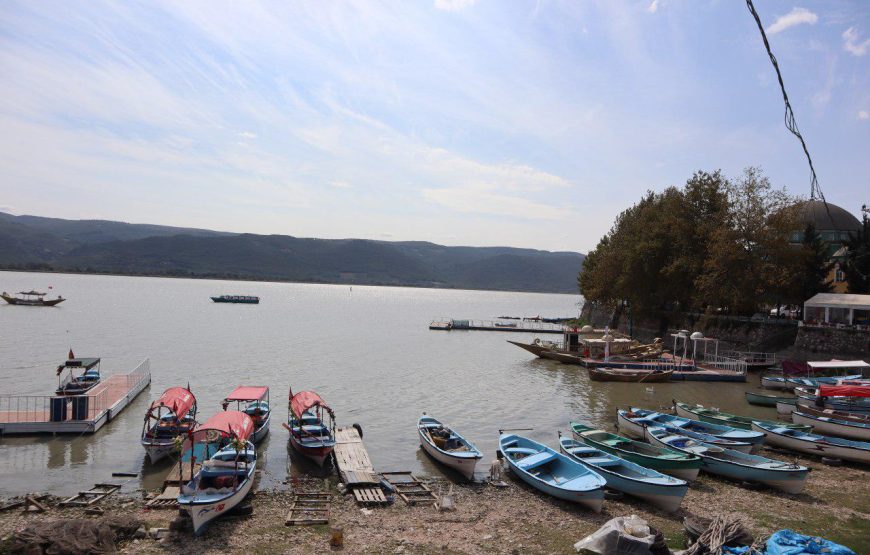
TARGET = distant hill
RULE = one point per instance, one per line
(99, 246)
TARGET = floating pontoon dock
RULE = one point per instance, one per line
(525, 326)
(75, 414)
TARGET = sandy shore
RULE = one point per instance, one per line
(487, 519)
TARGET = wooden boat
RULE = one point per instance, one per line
(827, 425)
(766, 399)
(31, 298)
(538, 347)
(814, 444)
(552, 472)
(252, 400)
(237, 299)
(816, 382)
(225, 478)
(170, 416)
(621, 375)
(310, 434)
(634, 420)
(702, 413)
(665, 492)
(807, 408)
(71, 384)
(561, 356)
(774, 382)
(665, 461)
(787, 477)
(447, 446)
(845, 398)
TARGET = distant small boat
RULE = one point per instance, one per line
(774, 382)
(788, 477)
(828, 425)
(447, 446)
(622, 375)
(31, 298)
(552, 472)
(667, 461)
(170, 416)
(252, 400)
(238, 299)
(311, 434)
(813, 444)
(505, 325)
(704, 414)
(766, 399)
(665, 492)
(561, 356)
(634, 421)
(81, 384)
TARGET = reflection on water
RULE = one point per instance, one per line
(368, 352)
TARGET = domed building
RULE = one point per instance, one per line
(833, 224)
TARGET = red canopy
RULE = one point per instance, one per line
(304, 400)
(177, 399)
(231, 423)
(248, 393)
(844, 391)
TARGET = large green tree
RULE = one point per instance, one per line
(857, 266)
(815, 266)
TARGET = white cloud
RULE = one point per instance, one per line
(653, 6)
(7, 208)
(797, 16)
(863, 115)
(483, 200)
(853, 44)
(248, 135)
(338, 184)
(454, 5)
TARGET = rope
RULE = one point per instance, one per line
(722, 530)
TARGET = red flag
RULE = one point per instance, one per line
(71, 355)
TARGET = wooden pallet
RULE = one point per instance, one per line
(308, 508)
(369, 496)
(93, 495)
(166, 500)
(410, 489)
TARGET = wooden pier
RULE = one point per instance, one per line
(78, 414)
(524, 326)
(355, 468)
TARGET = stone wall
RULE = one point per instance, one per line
(833, 341)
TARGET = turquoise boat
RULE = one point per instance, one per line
(634, 421)
(787, 477)
(665, 492)
(666, 461)
(552, 472)
(713, 416)
(813, 444)
(768, 400)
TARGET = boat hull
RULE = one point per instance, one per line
(638, 431)
(203, 513)
(591, 499)
(564, 358)
(158, 451)
(825, 426)
(741, 424)
(816, 448)
(765, 400)
(682, 469)
(636, 376)
(774, 382)
(262, 431)
(31, 302)
(316, 454)
(463, 465)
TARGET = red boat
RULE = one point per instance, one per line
(309, 434)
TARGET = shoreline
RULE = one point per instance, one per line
(487, 519)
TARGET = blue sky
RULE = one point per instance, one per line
(460, 122)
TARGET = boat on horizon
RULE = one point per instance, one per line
(310, 435)
(237, 299)
(81, 384)
(31, 298)
(171, 416)
(447, 446)
(252, 400)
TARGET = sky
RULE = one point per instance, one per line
(461, 122)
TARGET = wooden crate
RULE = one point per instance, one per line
(308, 508)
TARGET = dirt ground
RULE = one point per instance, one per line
(488, 519)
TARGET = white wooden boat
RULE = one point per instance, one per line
(446, 446)
(311, 423)
(170, 416)
(831, 426)
(635, 420)
(252, 400)
(813, 444)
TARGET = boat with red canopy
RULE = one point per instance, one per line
(310, 435)
(170, 416)
(252, 400)
(226, 474)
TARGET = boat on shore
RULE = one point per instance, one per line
(252, 400)
(849, 429)
(237, 299)
(666, 461)
(31, 298)
(635, 420)
(774, 382)
(713, 416)
(171, 416)
(767, 400)
(310, 434)
(814, 444)
(624, 375)
(784, 476)
(222, 444)
(841, 398)
(72, 384)
(661, 490)
(552, 472)
(447, 446)
(807, 408)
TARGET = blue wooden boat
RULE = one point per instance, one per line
(768, 400)
(813, 444)
(552, 472)
(635, 420)
(831, 425)
(446, 446)
(784, 476)
(814, 382)
(847, 404)
(661, 490)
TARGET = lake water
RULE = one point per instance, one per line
(367, 351)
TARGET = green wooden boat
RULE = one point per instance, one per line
(667, 461)
(768, 400)
(702, 413)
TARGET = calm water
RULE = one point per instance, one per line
(368, 351)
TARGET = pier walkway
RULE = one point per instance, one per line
(355, 467)
(524, 326)
(78, 414)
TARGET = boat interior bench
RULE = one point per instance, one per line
(536, 460)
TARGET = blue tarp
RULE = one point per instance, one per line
(787, 542)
